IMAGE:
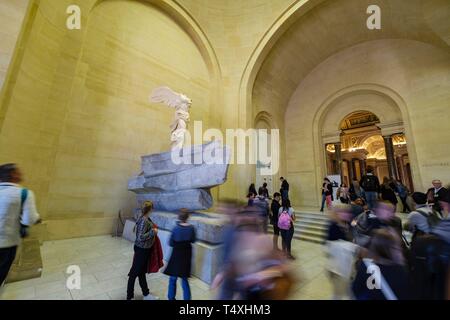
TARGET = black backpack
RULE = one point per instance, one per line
(369, 183)
(429, 263)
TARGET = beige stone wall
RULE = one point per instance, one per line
(12, 13)
(79, 118)
(76, 114)
(421, 81)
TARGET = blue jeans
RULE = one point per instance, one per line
(173, 288)
(371, 198)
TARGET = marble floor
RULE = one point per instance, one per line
(105, 261)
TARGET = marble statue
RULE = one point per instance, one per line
(181, 103)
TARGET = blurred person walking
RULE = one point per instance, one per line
(422, 219)
(179, 265)
(387, 192)
(355, 190)
(17, 213)
(286, 219)
(430, 256)
(262, 204)
(146, 233)
(385, 265)
(340, 251)
(383, 216)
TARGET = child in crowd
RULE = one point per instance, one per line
(179, 265)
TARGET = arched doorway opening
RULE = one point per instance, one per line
(264, 121)
(363, 144)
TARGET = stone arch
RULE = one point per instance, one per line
(294, 13)
(393, 119)
(259, 54)
(265, 118)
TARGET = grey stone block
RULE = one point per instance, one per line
(209, 227)
(162, 164)
(194, 199)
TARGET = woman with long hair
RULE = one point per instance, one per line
(286, 218)
(387, 192)
(327, 193)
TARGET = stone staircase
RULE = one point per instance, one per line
(309, 226)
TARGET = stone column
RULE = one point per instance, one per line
(354, 173)
(338, 152)
(392, 167)
(401, 172)
(362, 166)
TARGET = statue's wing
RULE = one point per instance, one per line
(165, 95)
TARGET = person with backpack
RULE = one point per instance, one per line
(146, 233)
(17, 213)
(423, 218)
(382, 216)
(179, 265)
(286, 218)
(275, 208)
(385, 264)
(371, 186)
(430, 256)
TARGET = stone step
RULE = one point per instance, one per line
(306, 231)
(311, 236)
(312, 216)
(307, 223)
(307, 226)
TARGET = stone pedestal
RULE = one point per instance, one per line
(207, 251)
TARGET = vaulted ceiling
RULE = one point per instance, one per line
(335, 25)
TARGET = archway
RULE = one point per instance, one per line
(362, 145)
(264, 121)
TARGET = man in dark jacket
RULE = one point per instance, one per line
(275, 208)
(371, 187)
(284, 190)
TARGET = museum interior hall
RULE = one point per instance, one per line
(96, 94)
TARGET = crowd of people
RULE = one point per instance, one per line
(368, 255)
